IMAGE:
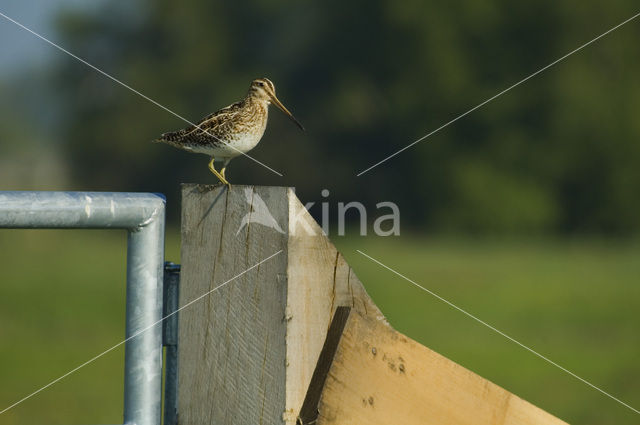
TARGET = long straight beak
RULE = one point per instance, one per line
(279, 104)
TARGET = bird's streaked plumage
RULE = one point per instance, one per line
(231, 131)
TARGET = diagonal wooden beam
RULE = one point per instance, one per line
(379, 377)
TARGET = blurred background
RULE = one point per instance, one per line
(524, 212)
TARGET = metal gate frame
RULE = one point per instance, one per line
(143, 216)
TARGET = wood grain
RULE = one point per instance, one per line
(232, 343)
(320, 280)
(381, 377)
(248, 350)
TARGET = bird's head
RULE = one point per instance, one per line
(263, 89)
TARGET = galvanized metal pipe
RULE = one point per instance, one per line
(143, 216)
(143, 354)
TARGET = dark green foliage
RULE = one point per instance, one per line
(559, 153)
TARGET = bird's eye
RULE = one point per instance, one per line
(261, 84)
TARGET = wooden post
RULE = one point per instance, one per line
(247, 351)
(373, 375)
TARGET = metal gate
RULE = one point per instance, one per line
(143, 216)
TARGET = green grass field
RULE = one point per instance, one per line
(576, 302)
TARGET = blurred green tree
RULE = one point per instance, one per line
(557, 154)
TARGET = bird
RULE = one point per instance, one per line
(230, 131)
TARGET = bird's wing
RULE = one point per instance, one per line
(217, 119)
(207, 127)
(228, 112)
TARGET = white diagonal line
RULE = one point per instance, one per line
(134, 90)
(498, 95)
(137, 333)
(498, 331)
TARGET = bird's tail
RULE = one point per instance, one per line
(172, 138)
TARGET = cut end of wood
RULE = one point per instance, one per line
(379, 376)
(309, 410)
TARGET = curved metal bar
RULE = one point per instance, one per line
(143, 216)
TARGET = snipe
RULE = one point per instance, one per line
(231, 131)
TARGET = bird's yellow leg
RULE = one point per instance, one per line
(216, 173)
(224, 167)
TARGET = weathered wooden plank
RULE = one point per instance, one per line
(381, 377)
(247, 352)
(320, 281)
(232, 343)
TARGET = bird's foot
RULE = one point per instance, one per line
(220, 176)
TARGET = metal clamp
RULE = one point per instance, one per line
(170, 341)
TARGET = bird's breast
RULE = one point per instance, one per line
(245, 133)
